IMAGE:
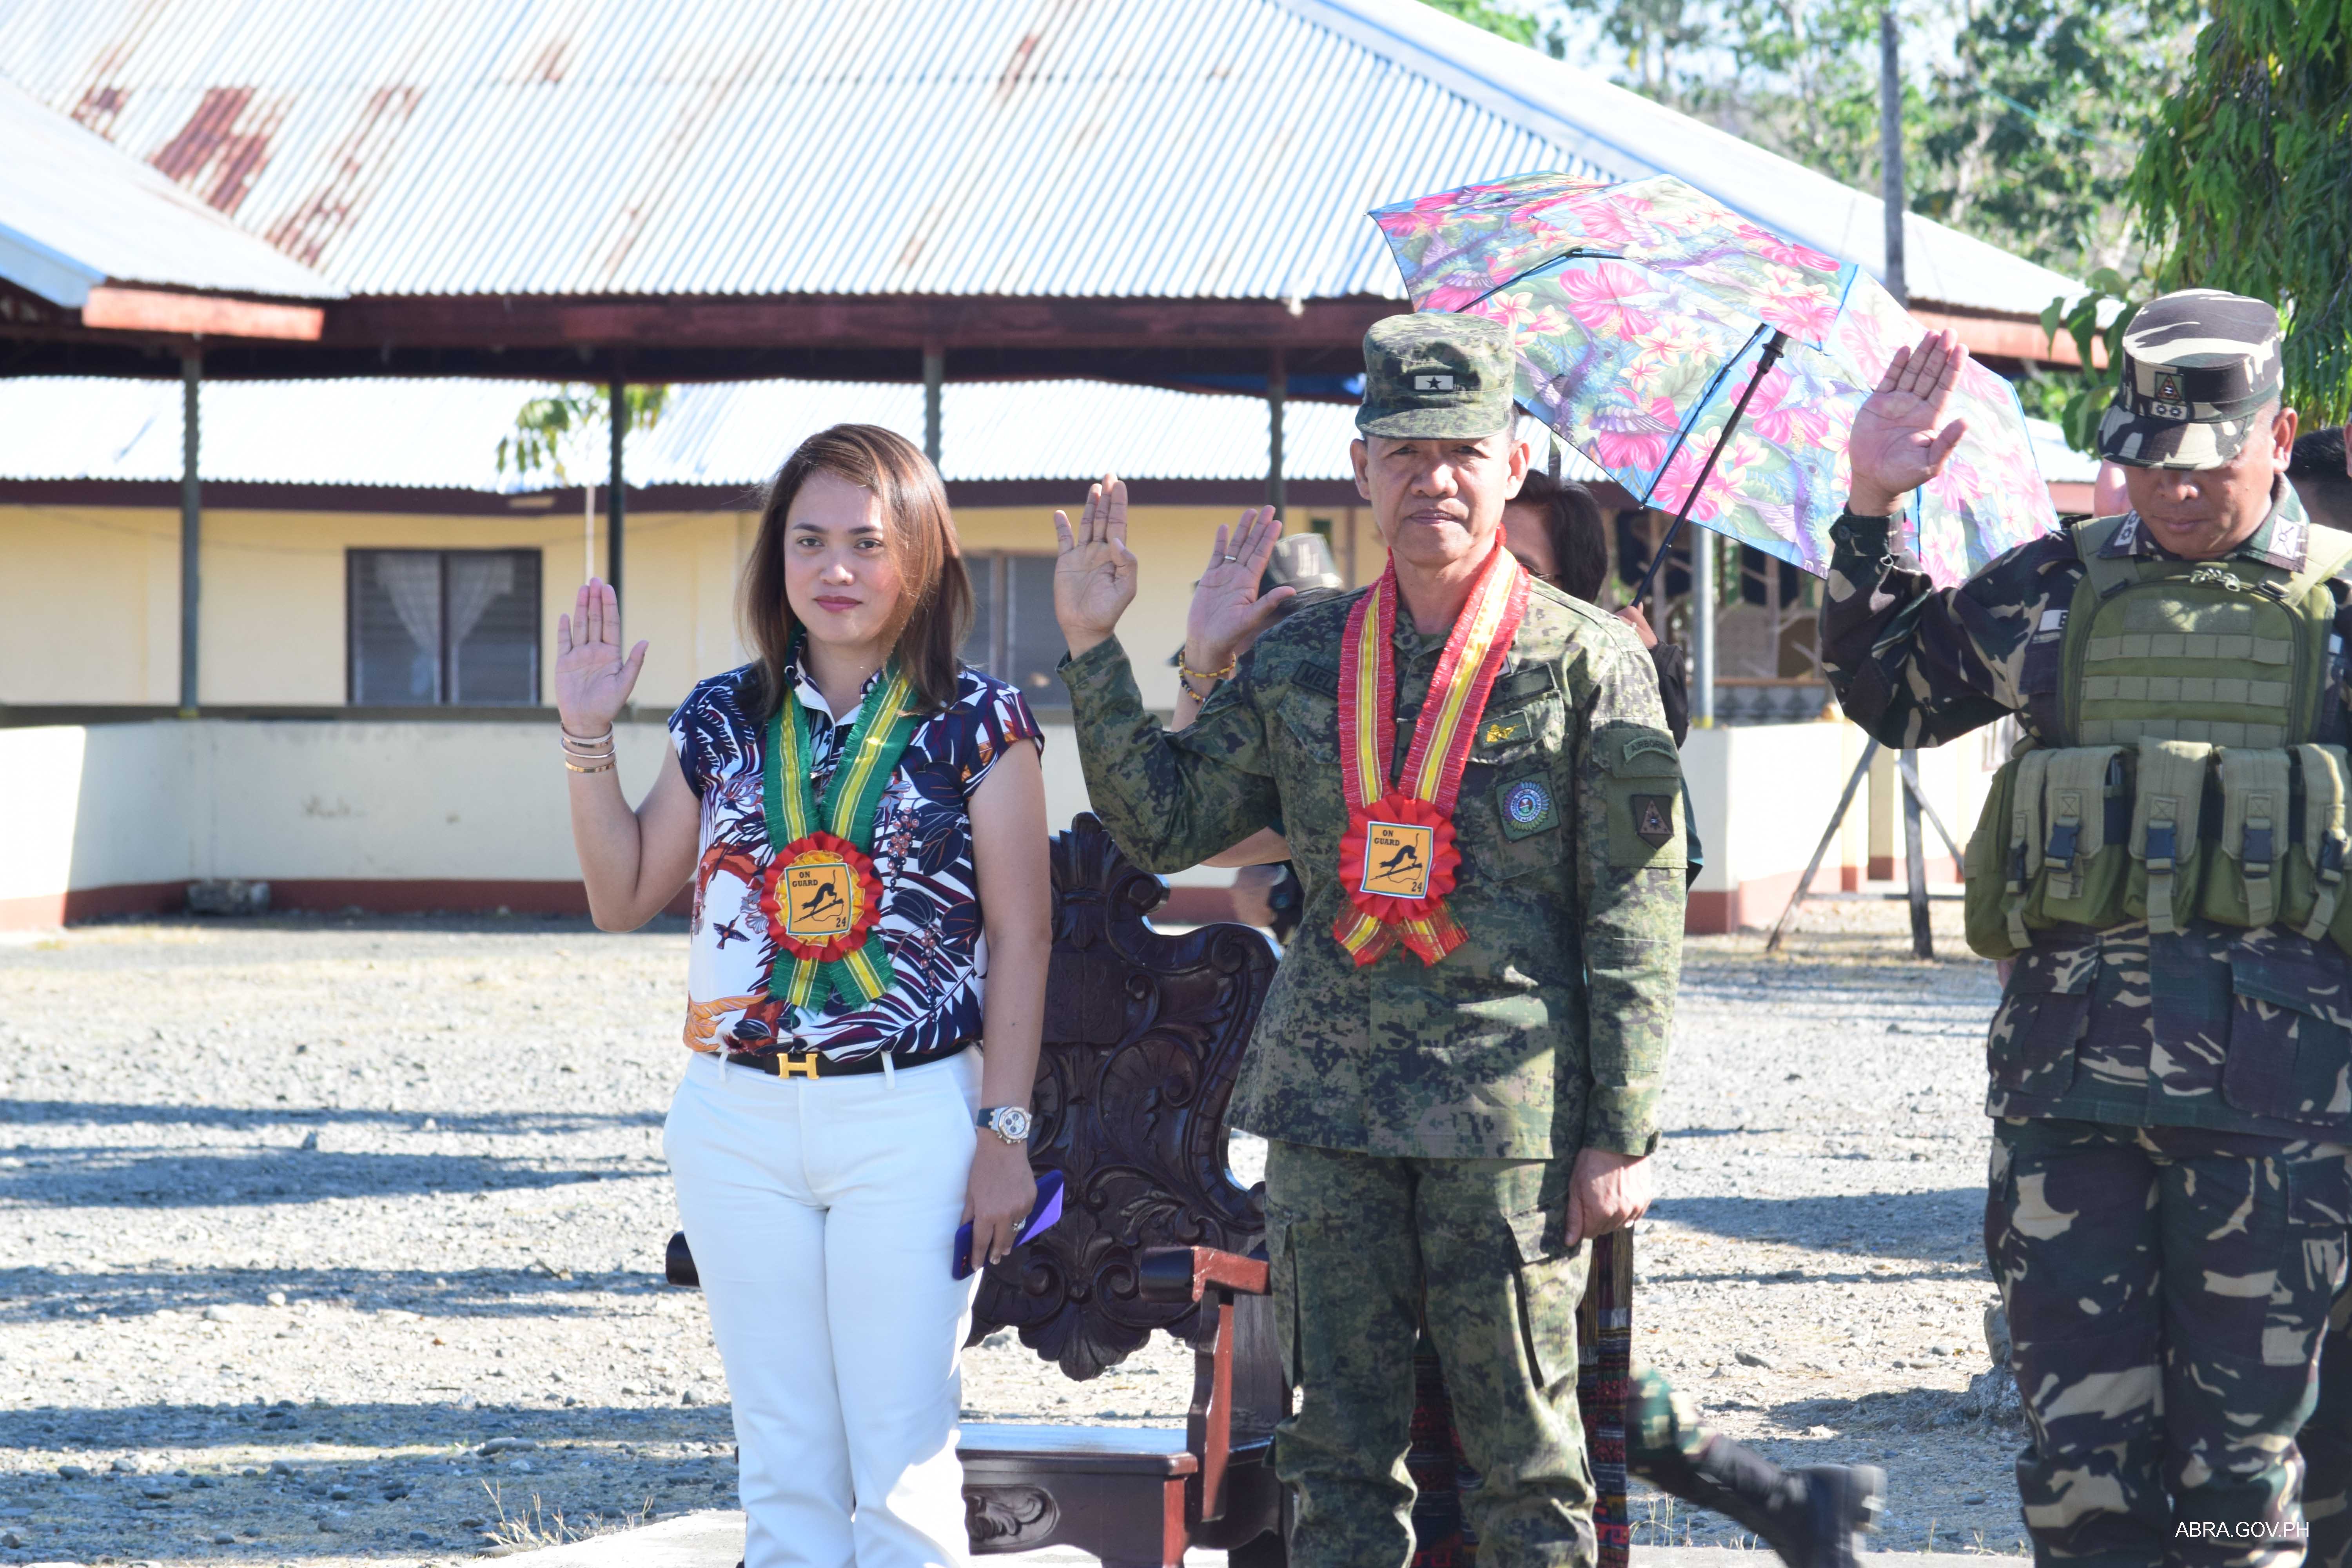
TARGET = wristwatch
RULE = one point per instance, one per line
(1009, 1122)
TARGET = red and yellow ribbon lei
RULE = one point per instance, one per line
(1398, 859)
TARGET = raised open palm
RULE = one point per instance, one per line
(1094, 576)
(1895, 446)
(592, 680)
(1226, 613)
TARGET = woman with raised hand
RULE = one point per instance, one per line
(864, 823)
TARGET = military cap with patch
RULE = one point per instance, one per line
(2198, 367)
(1437, 375)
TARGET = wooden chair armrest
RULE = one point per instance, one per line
(1189, 1273)
(1208, 1274)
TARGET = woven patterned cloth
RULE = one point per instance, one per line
(1604, 1329)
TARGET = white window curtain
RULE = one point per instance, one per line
(412, 581)
(475, 582)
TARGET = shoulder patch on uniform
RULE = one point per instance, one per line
(1661, 744)
(1654, 817)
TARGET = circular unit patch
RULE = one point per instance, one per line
(1525, 802)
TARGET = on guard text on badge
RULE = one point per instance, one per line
(1396, 858)
(816, 900)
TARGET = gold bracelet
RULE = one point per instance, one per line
(583, 740)
(1187, 686)
(591, 752)
(1187, 672)
(603, 767)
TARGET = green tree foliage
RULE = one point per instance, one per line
(1503, 20)
(2078, 399)
(573, 424)
(2031, 132)
(2022, 118)
(2246, 181)
(1661, 47)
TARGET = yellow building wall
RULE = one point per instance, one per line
(90, 596)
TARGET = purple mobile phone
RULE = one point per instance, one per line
(1042, 1215)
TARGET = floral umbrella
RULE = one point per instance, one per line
(1643, 314)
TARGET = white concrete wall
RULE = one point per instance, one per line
(171, 801)
(1763, 792)
(168, 801)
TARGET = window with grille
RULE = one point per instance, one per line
(1014, 634)
(432, 628)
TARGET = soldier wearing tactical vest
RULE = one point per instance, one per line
(2163, 861)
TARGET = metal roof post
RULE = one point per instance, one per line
(1277, 391)
(1703, 613)
(935, 375)
(615, 505)
(192, 512)
(1890, 151)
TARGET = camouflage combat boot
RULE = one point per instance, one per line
(1812, 1516)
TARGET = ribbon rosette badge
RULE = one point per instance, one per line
(1402, 853)
(822, 898)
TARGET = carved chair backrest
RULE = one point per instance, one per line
(1143, 1040)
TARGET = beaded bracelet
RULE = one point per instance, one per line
(1211, 676)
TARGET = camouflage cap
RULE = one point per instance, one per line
(2198, 367)
(1437, 374)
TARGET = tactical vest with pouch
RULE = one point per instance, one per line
(2183, 782)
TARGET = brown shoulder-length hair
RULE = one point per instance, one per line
(935, 602)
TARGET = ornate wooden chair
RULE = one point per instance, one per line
(1144, 1035)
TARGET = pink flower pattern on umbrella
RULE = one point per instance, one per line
(1772, 247)
(1601, 299)
(1637, 310)
(1634, 436)
(1785, 416)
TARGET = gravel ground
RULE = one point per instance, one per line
(302, 1214)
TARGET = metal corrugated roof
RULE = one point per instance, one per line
(76, 212)
(1180, 148)
(444, 433)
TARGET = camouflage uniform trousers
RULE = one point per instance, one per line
(1357, 1243)
(2167, 1289)
(2327, 1444)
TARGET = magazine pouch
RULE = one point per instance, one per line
(2087, 845)
(2167, 802)
(2246, 872)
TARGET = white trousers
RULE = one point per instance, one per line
(822, 1214)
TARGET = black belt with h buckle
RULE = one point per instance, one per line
(816, 1063)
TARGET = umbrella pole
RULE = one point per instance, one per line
(1764, 363)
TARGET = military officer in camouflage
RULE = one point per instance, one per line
(2163, 860)
(1452, 1107)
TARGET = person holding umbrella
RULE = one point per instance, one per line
(2164, 862)
(1458, 1066)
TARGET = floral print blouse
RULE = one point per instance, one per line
(930, 922)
